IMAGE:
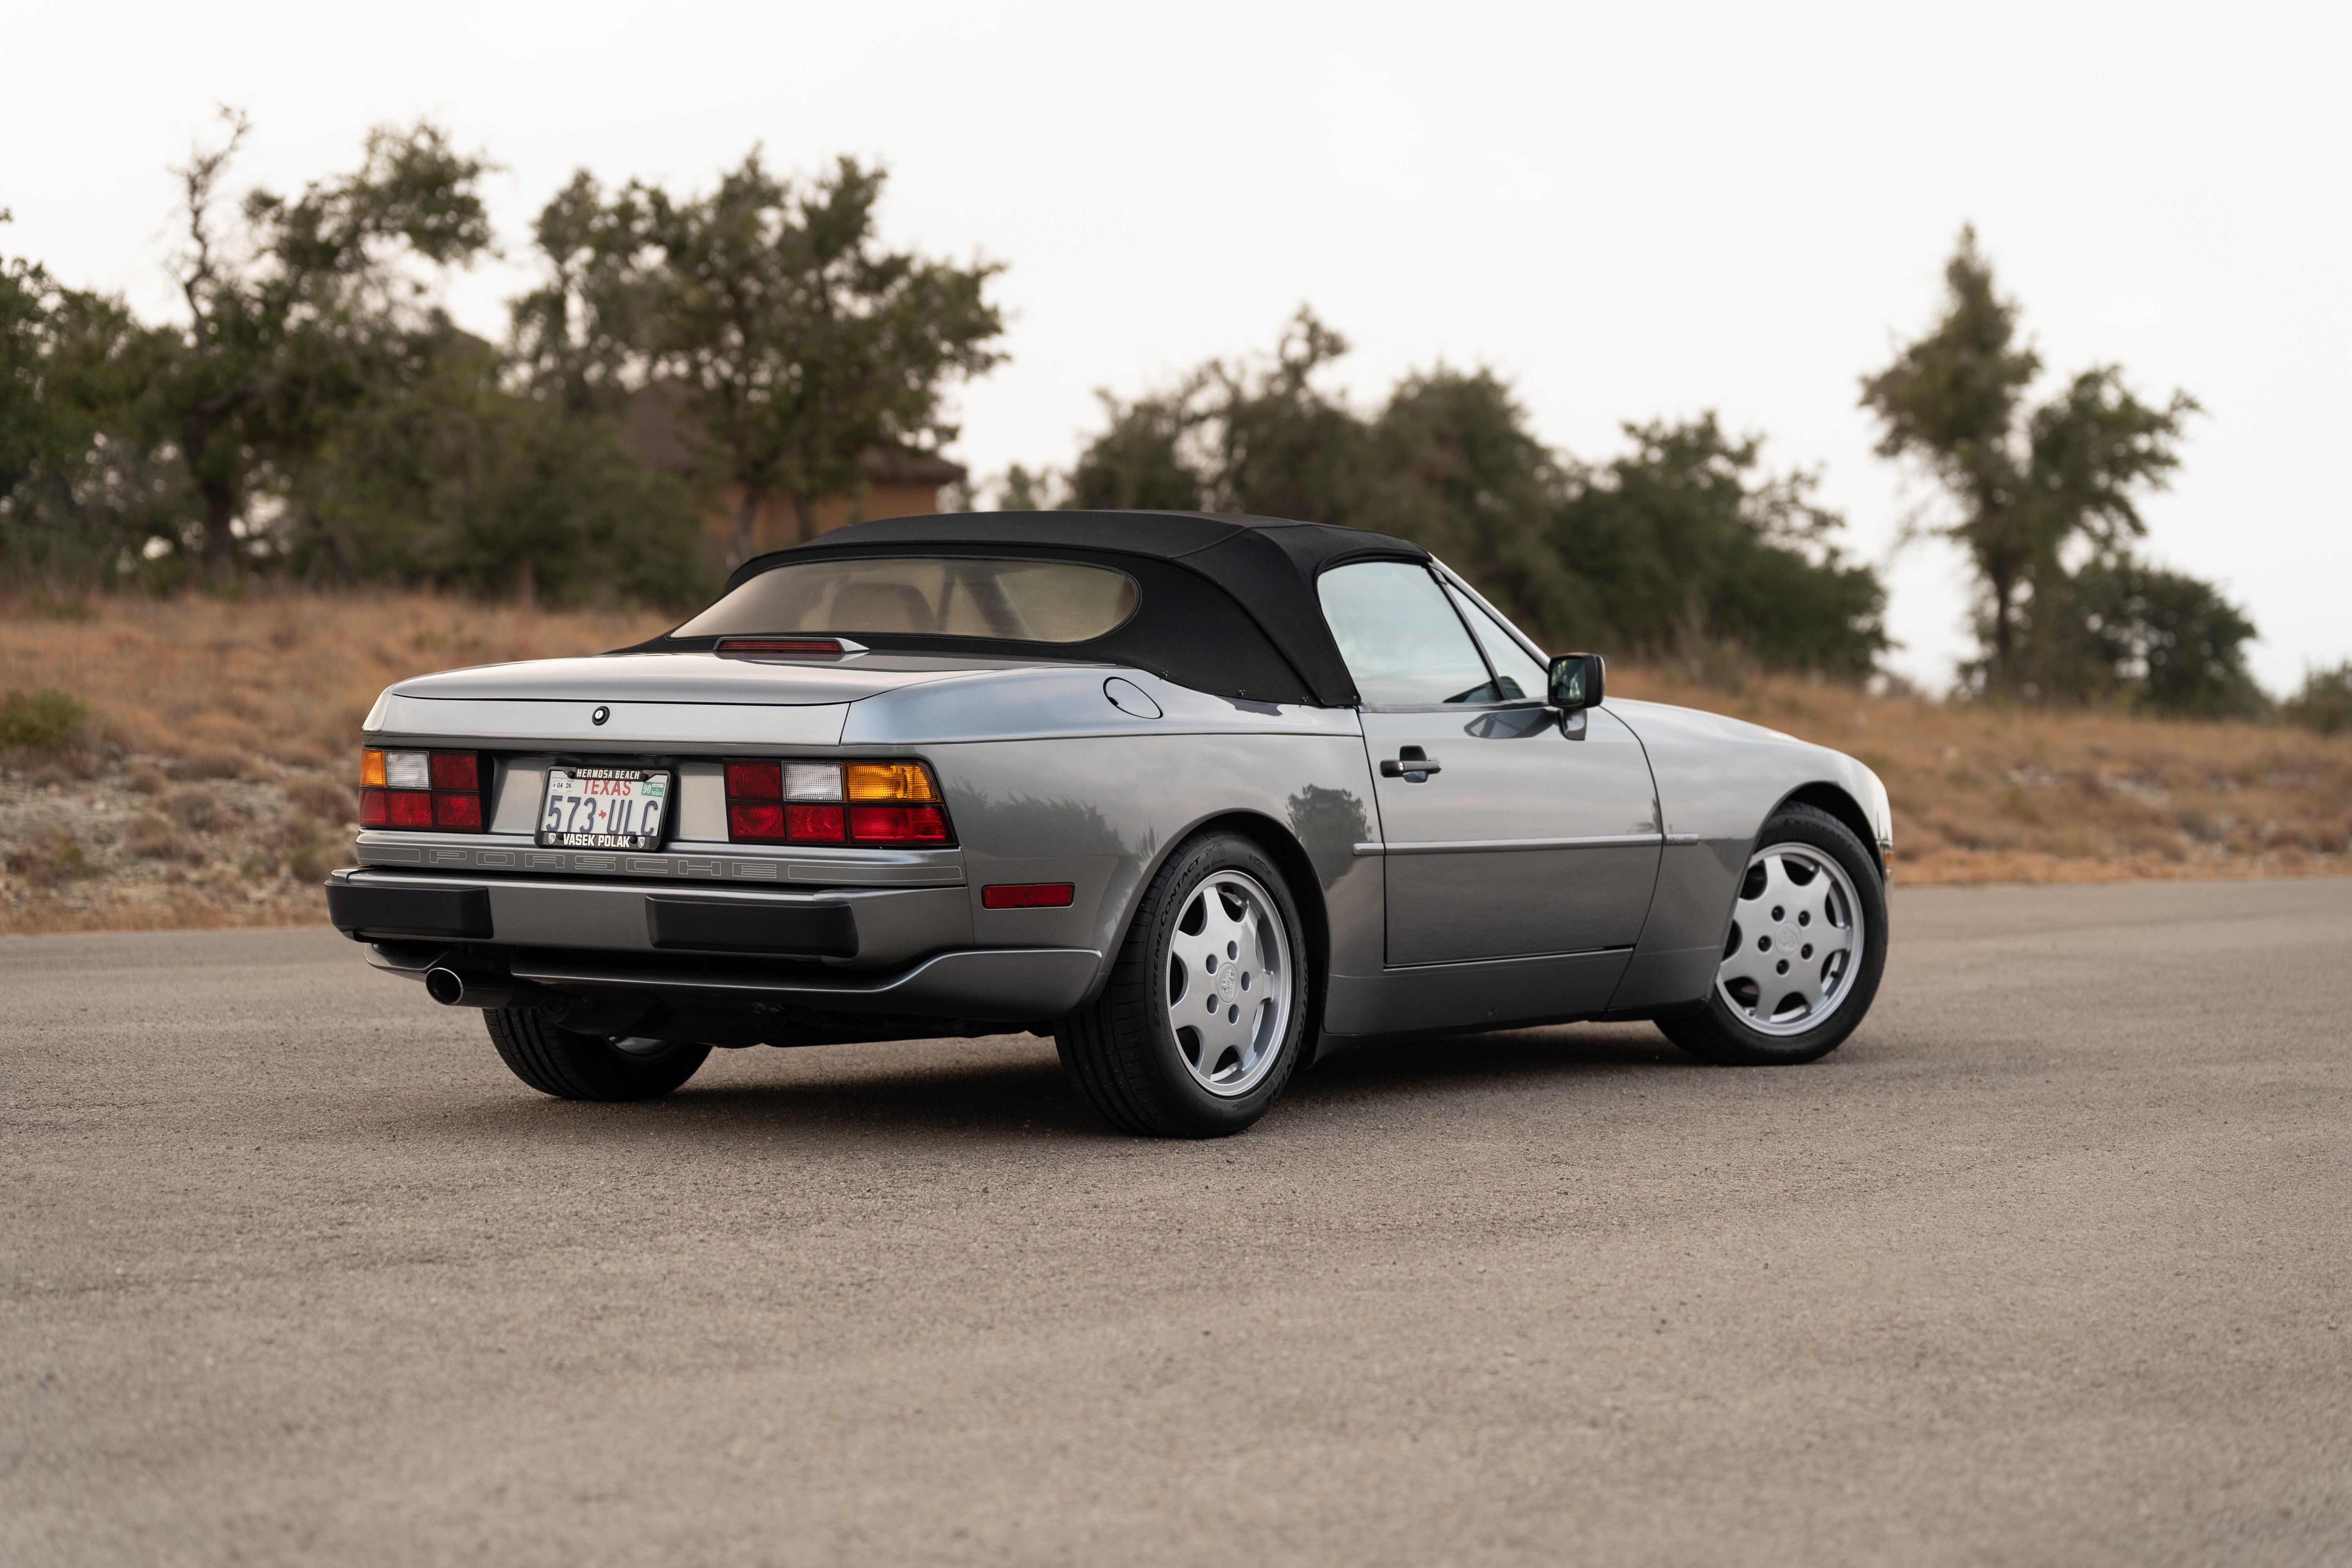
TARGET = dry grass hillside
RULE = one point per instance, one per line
(1991, 794)
(208, 783)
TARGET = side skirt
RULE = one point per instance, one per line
(1427, 999)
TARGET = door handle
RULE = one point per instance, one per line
(1410, 766)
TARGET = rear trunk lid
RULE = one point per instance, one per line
(659, 698)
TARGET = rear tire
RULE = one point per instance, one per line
(1218, 925)
(1804, 952)
(588, 1067)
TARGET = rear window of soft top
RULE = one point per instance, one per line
(926, 596)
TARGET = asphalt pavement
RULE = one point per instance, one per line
(2049, 1264)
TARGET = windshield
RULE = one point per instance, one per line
(1017, 601)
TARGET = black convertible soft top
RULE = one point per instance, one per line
(1227, 602)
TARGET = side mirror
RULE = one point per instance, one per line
(1576, 682)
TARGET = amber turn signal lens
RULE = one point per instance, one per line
(372, 768)
(891, 781)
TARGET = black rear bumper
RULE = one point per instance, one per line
(674, 922)
(366, 912)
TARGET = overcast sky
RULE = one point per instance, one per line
(1631, 212)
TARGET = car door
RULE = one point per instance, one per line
(1522, 834)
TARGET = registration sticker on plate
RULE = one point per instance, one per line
(604, 808)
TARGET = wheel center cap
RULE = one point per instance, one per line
(1787, 938)
(1227, 984)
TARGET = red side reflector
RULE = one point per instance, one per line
(754, 822)
(455, 769)
(1028, 895)
(461, 812)
(411, 808)
(755, 781)
(373, 812)
(814, 824)
(779, 648)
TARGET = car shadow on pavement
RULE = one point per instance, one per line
(1555, 1055)
(1012, 1088)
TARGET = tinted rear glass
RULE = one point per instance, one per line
(920, 595)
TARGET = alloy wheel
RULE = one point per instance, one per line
(1795, 942)
(1230, 983)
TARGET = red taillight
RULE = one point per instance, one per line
(896, 825)
(755, 822)
(813, 824)
(755, 781)
(781, 648)
(1028, 895)
(812, 803)
(440, 791)
(457, 770)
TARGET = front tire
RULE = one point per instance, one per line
(1201, 1024)
(588, 1067)
(1804, 952)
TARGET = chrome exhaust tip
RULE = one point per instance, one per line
(455, 988)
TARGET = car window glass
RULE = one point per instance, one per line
(923, 596)
(1515, 673)
(1400, 638)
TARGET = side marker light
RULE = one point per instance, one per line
(1028, 895)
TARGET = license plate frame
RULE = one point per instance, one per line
(568, 792)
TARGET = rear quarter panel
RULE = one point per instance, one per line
(1048, 781)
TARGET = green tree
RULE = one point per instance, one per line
(2325, 703)
(295, 304)
(1455, 468)
(76, 497)
(2120, 630)
(1685, 548)
(583, 338)
(1682, 545)
(449, 476)
(1278, 445)
(30, 432)
(2026, 488)
(1261, 438)
(1138, 463)
(804, 340)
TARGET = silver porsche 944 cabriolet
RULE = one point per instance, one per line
(1202, 797)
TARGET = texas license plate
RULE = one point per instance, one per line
(604, 808)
